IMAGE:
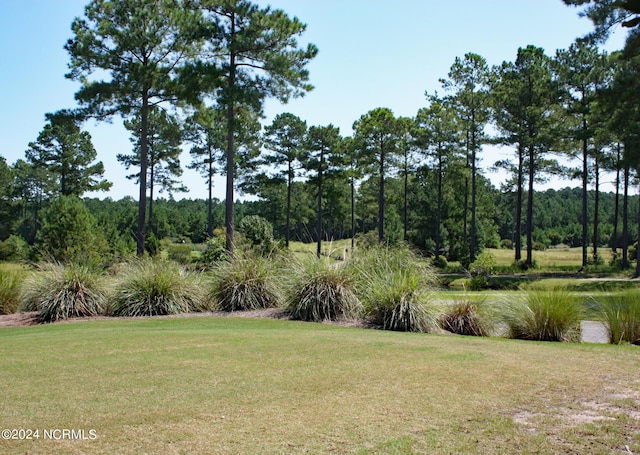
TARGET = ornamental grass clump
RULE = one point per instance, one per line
(155, 288)
(9, 291)
(544, 315)
(62, 291)
(466, 317)
(395, 286)
(322, 291)
(621, 312)
(245, 282)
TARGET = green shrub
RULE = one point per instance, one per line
(632, 252)
(477, 283)
(246, 282)
(180, 253)
(394, 285)
(621, 312)
(595, 261)
(484, 264)
(544, 315)
(156, 287)
(481, 270)
(258, 232)
(14, 248)
(9, 291)
(214, 252)
(539, 246)
(152, 245)
(367, 240)
(466, 318)
(522, 266)
(441, 262)
(322, 292)
(69, 232)
(506, 244)
(60, 291)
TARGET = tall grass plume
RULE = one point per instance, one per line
(62, 291)
(466, 317)
(544, 315)
(395, 286)
(621, 312)
(245, 282)
(323, 291)
(156, 287)
(10, 281)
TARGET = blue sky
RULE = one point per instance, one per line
(372, 53)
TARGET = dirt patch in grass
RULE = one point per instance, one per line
(608, 406)
(18, 319)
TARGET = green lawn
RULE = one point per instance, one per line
(560, 259)
(247, 386)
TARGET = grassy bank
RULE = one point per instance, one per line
(234, 385)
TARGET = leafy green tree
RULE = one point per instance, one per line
(68, 154)
(285, 139)
(69, 233)
(469, 82)
(164, 137)
(322, 143)
(256, 56)
(377, 134)
(127, 56)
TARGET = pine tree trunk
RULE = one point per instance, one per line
(518, 220)
(596, 208)
(529, 226)
(406, 189)
(210, 200)
(319, 221)
(465, 209)
(472, 242)
(625, 219)
(353, 215)
(288, 222)
(439, 213)
(584, 201)
(381, 195)
(142, 201)
(614, 245)
(151, 178)
(637, 271)
(229, 206)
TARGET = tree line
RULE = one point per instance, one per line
(197, 72)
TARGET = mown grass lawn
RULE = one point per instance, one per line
(227, 385)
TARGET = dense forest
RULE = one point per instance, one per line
(194, 75)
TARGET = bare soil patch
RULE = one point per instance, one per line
(18, 319)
